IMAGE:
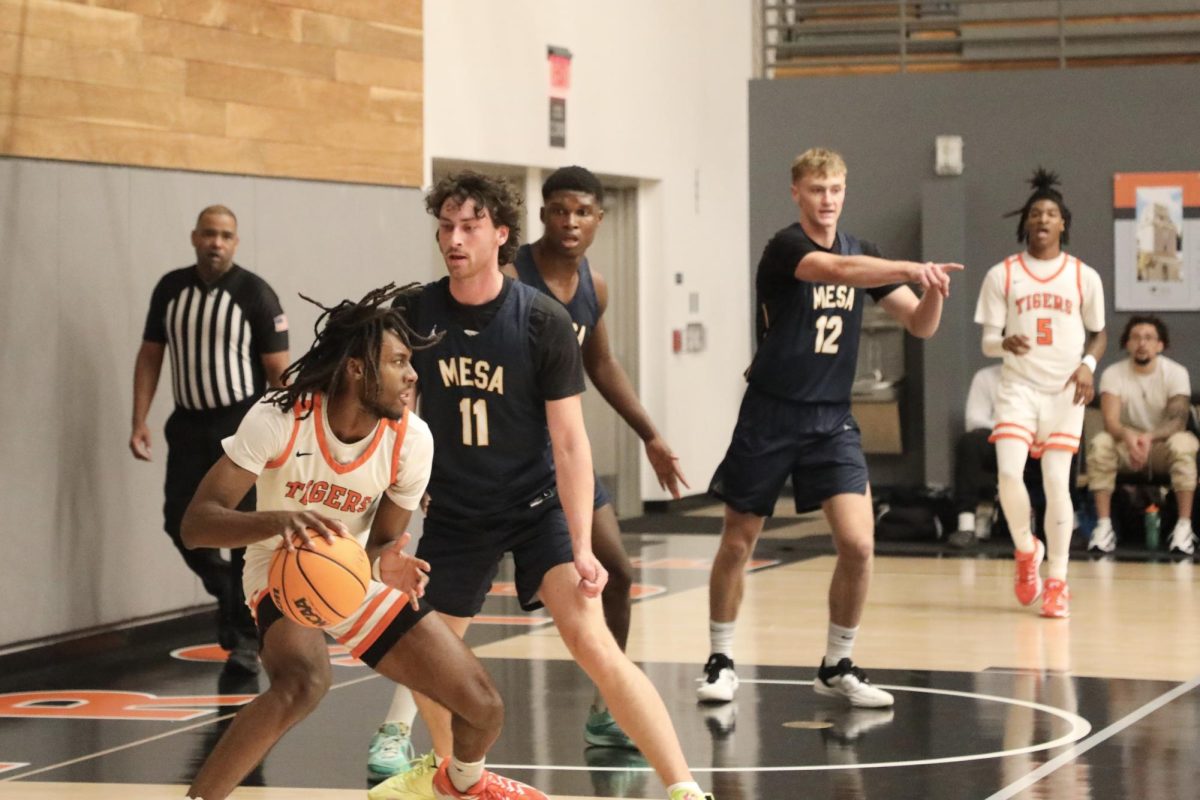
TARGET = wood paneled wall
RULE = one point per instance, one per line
(324, 89)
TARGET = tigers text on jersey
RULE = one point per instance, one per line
(301, 465)
(584, 306)
(1052, 304)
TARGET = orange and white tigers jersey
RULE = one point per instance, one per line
(1053, 304)
(301, 465)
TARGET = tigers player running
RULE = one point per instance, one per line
(1042, 311)
(337, 453)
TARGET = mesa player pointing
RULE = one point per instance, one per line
(342, 425)
(795, 417)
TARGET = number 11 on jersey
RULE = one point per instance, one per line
(474, 422)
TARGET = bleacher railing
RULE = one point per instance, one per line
(865, 36)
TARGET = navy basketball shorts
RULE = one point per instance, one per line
(601, 496)
(818, 445)
(464, 555)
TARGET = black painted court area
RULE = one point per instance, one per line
(951, 734)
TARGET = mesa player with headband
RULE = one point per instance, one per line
(1043, 312)
(337, 453)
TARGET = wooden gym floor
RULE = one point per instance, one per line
(991, 700)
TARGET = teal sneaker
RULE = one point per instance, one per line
(390, 752)
(602, 730)
(617, 772)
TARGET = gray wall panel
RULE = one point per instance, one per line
(1086, 124)
(84, 246)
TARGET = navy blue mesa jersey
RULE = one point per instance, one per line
(584, 307)
(808, 333)
(483, 391)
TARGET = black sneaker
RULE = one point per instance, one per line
(243, 659)
(720, 681)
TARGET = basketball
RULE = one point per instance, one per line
(320, 587)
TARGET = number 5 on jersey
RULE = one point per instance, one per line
(474, 422)
(1044, 331)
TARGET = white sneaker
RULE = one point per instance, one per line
(1183, 540)
(1104, 539)
(719, 682)
(848, 681)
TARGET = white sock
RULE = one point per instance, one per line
(683, 786)
(465, 774)
(839, 642)
(1103, 522)
(404, 708)
(966, 521)
(1184, 523)
(721, 636)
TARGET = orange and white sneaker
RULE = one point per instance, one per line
(489, 787)
(1028, 582)
(1056, 600)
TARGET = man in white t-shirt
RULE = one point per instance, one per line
(1042, 310)
(1146, 401)
(975, 460)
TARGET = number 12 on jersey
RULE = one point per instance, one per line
(829, 329)
(474, 422)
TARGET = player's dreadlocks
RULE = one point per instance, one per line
(1043, 182)
(347, 330)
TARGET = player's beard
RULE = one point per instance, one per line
(1142, 361)
(373, 405)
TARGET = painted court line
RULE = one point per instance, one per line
(1015, 788)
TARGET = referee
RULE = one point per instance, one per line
(227, 336)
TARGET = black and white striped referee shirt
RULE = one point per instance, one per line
(216, 335)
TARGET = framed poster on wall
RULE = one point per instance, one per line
(1156, 241)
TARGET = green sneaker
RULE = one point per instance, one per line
(602, 730)
(690, 794)
(415, 783)
(390, 751)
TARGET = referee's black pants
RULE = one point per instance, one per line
(193, 446)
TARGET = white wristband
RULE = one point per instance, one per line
(375, 569)
(1090, 362)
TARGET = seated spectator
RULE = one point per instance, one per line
(975, 461)
(1145, 402)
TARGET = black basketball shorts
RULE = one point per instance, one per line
(464, 555)
(818, 445)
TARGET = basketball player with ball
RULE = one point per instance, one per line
(336, 456)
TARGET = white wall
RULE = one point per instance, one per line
(658, 93)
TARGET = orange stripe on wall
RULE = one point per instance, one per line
(1125, 186)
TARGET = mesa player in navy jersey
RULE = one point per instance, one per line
(512, 467)
(557, 265)
(795, 417)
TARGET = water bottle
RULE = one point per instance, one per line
(1153, 527)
